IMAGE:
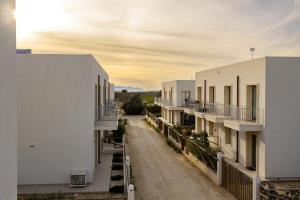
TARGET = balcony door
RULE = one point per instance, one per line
(253, 157)
(171, 97)
(104, 91)
(186, 97)
(227, 99)
(252, 104)
(212, 97)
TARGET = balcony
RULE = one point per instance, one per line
(244, 119)
(204, 108)
(168, 104)
(189, 106)
(235, 117)
(107, 116)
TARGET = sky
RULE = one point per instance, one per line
(141, 43)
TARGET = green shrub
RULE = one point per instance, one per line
(116, 178)
(188, 128)
(118, 134)
(199, 146)
(123, 121)
(154, 109)
(202, 139)
(135, 106)
(117, 167)
(117, 159)
(118, 155)
(118, 189)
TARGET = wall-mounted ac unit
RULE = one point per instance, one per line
(78, 178)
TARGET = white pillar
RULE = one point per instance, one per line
(130, 192)
(220, 157)
(128, 167)
(256, 184)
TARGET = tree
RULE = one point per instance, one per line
(135, 106)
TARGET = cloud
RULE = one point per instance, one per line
(141, 43)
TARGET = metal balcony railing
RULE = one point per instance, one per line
(231, 112)
(244, 114)
(107, 112)
(166, 102)
(188, 103)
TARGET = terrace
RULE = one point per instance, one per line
(107, 116)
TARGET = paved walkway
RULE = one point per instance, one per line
(161, 173)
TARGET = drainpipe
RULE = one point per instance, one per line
(238, 104)
(204, 103)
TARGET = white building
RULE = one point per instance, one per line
(251, 108)
(8, 103)
(63, 106)
(175, 96)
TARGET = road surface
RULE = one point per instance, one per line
(161, 173)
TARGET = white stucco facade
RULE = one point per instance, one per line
(57, 100)
(267, 88)
(8, 103)
(174, 95)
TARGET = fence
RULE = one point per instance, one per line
(236, 182)
(203, 153)
(279, 190)
(178, 137)
(175, 135)
(152, 116)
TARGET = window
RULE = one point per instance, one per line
(199, 94)
(227, 135)
(212, 97)
(227, 95)
(99, 91)
(104, 91)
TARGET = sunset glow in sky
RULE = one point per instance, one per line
(141, 43)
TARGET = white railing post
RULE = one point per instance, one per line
(256, 184)
(130, 192)
(220, 157)
(128, 168)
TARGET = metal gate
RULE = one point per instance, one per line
(236, 182)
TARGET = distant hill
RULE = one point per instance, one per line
(129, 89)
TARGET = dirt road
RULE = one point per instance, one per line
(161, 173)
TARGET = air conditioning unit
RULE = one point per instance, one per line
(78, 178)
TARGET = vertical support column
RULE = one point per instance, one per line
(220, 157)
(130, 192)
(238, 104)
(8, 102)
(256, 184)
(128, 168)
(204, 104)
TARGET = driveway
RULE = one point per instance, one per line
(161, 173)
